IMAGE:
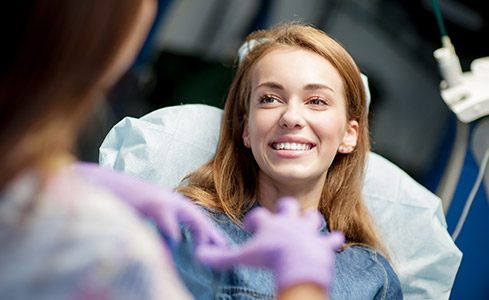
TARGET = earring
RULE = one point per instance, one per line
(246, 144)
(345, 149)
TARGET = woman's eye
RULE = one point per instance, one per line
(318, 101)
(268, 99)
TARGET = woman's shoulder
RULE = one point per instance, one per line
(373, 268)
(364, 256)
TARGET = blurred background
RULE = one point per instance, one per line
(190, 54)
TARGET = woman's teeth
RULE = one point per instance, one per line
(291, 146)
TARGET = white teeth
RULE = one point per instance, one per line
(291, 146)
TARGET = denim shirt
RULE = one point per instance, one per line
(360, 272)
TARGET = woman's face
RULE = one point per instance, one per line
(297, 118)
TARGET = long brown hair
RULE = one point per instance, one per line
(55, 54)
(228, 182)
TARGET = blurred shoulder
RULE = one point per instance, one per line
(87, 244)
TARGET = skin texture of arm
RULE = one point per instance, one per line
(303, 291)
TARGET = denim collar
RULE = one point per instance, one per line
(323, 228)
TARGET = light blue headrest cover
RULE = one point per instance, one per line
(164, 145)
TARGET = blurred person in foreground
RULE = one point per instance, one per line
(70, 230)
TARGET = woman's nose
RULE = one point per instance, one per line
(292, 117)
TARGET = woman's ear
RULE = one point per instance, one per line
(350, 138)
(246, 135)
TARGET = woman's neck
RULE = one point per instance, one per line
(308, 194)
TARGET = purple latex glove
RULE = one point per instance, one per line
(167, 208)
(286, 242)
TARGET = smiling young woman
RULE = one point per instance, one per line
(294, 124)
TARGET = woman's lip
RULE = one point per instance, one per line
(290, 153)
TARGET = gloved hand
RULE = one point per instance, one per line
(165, 207)
(287, 243)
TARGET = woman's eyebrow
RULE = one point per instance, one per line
(309, 86)
(318, 86)
(270, 84)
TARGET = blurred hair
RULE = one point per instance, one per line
(228, 183)
(54, 56)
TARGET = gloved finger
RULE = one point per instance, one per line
(335, 240)
(255, 217)
(313, 218)
(167, 222)
(288, 206)
(225, 257)
(200, 225)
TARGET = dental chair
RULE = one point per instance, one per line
(165, 145)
